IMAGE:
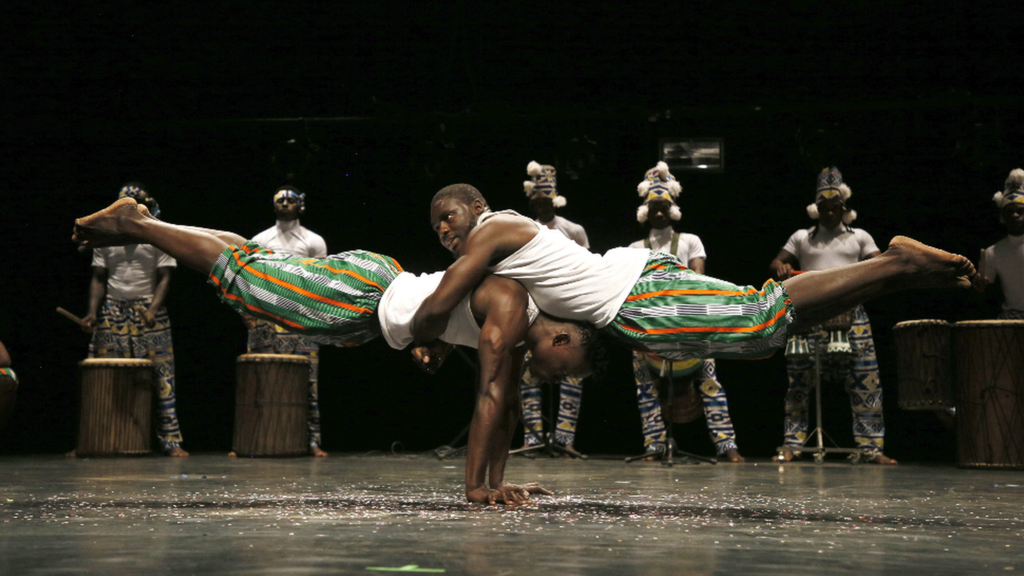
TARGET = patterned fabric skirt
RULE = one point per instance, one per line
(330, 301)
(680, 315)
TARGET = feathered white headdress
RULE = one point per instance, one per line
(831, 185)
(1013, 189)
(658, 182)
(542, 184)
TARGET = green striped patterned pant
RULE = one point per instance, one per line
(678, 314)
(329, 300)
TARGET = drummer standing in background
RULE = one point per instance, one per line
(659, 191)
(1004, 260)
(288, 236)
(830, 243)
(542, 190)
(131, 282)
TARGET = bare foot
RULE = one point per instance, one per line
(317, 452)
(733, 455)
(107, 227)
(787, 456)
(71, 454)
(930, 267)
(232, 454)
(176, 452)
(881, 459)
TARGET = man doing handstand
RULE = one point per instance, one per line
(350, 298)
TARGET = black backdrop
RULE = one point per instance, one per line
(384, 105)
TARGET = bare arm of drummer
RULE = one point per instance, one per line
(783, 265)
(97, 292)
(501, 304)
(5, 358)
(163, 284)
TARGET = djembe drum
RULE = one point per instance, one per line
(116, 406)
(684, 405)
(8, 393)
(271, 405)
(924, 364)
(989, 357)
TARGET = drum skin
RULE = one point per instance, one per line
(271, 405)
(8, 395)
(989, 358)
(924, 362)
(116, 407)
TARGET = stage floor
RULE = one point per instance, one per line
(209, 514)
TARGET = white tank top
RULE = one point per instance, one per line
(569, 281)
(403, 297)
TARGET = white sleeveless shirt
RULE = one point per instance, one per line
(567, 280)
(403, 297)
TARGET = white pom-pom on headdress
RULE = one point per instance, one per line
(558, 201)
(663, 171)
(998, 199)
(849, 217)
(812, 211)
(528, 187)
(675, 213)
(674, 188)
(845, 193)
(533, 168)
(641, 213)
(642, 188)
(1016, 179)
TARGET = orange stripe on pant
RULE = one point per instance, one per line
(700, 329)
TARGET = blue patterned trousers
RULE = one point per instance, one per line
(267, 338)
(121, 332)
(569, 399)
(712, 394)
(859, 374)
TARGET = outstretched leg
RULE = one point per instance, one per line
(820, 295)
(126, 222)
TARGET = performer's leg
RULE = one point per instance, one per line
(569, 399)
(123, 223)
(111, 339)
(716, 413)
(907, 263)
(800, 372)
(865, 390)
(529, 390)
(311, 350)
(650, 408)
(155, 344)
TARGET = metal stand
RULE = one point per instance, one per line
(819, 432)
(547, 439)
(668, 452)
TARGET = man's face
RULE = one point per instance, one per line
(659, 213)
(1013, 218)
(555, 358)
(453, 219)
(286, 208)
(830, 212)
(543, 208)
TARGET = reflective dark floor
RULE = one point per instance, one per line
(210, 514)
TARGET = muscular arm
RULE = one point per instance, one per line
(5, 358)
(783, 265)
(97, 291)
(502, 303)
(696, 264)
(500, 237)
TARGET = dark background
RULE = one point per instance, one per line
(385, 103)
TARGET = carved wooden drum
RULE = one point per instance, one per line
(989, 358)
(271, 405)
(924, 362)
(116, 407)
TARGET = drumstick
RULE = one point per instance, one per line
(72, 317)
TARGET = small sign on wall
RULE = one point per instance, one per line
(703, 154)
